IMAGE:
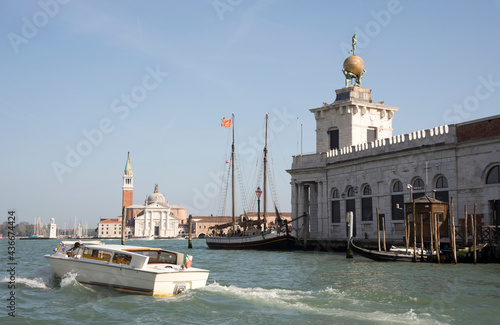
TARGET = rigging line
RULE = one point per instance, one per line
(224, 180)
(281, 172)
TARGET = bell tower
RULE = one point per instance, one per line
(128, 185)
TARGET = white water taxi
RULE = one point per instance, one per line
(132, 269)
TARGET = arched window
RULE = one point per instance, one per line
(335, 206)
(441, 189)
(350, 192)
(442, 182)
(418, 188)
(493, 176)
(366, 204)
(397, 187)
(397, 201)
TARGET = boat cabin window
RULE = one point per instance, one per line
(121, 258)
(96, 254)
(159, 256)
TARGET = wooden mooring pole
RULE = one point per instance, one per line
(378, 230)
(436, 236)
(474, 232)
(466, 233)
(421, 237)
(383, 232)
(453, 242)
(190, 224)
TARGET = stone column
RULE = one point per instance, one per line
(161, 234)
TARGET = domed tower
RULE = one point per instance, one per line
(156, 197)
(128, 185)
(353, 118)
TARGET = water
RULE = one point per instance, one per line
(251, 287)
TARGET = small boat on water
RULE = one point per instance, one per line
(131, 269)
(394, 254)
(152, 237)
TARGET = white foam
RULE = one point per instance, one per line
(31, 283)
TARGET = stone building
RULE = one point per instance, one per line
(360, 166)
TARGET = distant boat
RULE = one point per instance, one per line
(252, 236)
(131, 269)
(152, 237)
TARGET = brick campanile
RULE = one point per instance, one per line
(128, 185)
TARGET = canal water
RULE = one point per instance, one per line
(254, 287)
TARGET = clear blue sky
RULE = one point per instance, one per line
(102, 78)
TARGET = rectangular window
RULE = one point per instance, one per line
(335, 211)
(367, 209)
(371, 135)
(334, 139)
(397, 207)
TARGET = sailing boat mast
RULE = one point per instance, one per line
(265, 179)
(232, 175)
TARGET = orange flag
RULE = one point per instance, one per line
(226, 123)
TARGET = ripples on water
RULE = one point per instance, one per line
(251, 287)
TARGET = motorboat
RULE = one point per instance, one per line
(131, 269)
(152, 237)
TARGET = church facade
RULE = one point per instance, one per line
(156, 217)
(360, 167)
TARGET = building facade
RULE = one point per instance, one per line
(155, 218)
(110, 228)
(360, 166)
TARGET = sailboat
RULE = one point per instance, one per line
(255, 234)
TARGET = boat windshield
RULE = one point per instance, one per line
(159, 256)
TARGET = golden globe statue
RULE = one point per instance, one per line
(354, 64)
(354, 67)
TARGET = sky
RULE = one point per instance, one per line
(85, 82)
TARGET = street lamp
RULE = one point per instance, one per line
(258, 192)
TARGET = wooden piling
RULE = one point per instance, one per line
(190, 224)
(452, 234)
(474, 232)
(378, 230)
(383, 232)
(436, 231)
(407, 233)
(431, 233)
(421, 237)
(414, 234)
(466, 233)
(123, 226)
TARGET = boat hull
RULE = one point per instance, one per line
(386, 256)
(130, 280)
(259, 242)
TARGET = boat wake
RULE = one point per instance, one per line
(335, 303)
(44, 279)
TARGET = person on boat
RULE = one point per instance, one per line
(76, 250)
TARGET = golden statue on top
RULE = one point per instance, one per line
(353, 66)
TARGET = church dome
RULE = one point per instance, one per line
(156, 197)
